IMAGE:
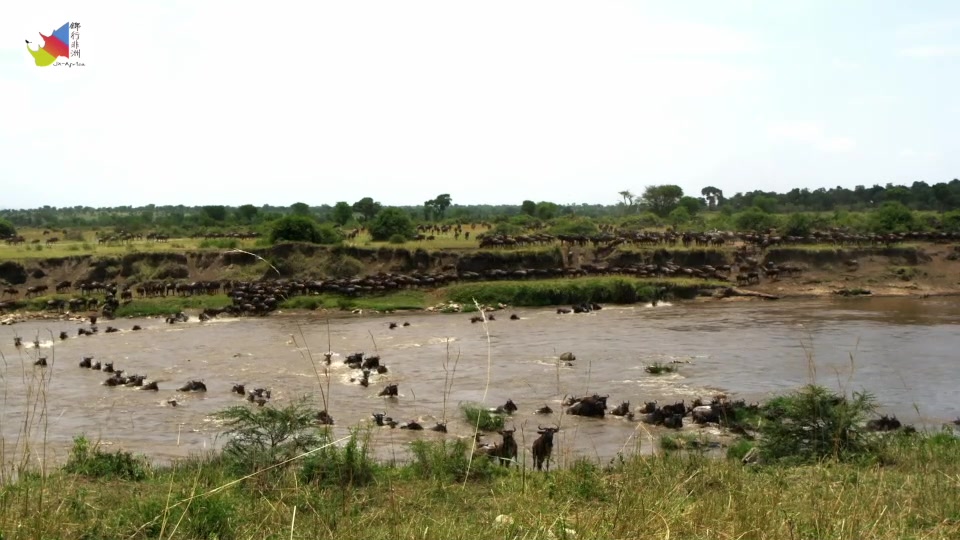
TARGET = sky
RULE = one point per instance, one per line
(212, 102)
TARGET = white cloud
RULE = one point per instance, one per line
(929, 51)
(813, 134)
(919, 155)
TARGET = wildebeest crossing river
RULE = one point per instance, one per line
(904, 351)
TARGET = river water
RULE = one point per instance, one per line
(904, 351)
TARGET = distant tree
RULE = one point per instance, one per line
(691, 204)
(247, 213)
(295, 228)
(7, 229)
(367, 207)
(389, 222)
(627, 197)
(765, 203)
(898, 194)
(438, 206)
(342, 213)
(217, 213)
(300, 209)
(547, 210)
(529, 208)
(713, 196)
(662, 199)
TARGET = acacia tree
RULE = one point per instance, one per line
(529, 208)
(300, 209)
(437, 207)
(713, 196)
(662, 199)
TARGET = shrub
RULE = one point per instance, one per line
(266, 436)
(343, 267)
(93, 462)
(798, 225)
(389, 222)
(891, 217)
(755, 219)
(7, 229)
(328, 234)
(488, 421)
(577, 226)
(295, 228)
(813, 423)
(397, 239)
(658, 368)
(644, 220)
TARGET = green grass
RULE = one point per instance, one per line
(671, 495)
(90, 247)
(555, 292)
(395, 301)
(148, 307)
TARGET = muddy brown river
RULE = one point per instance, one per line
(904, 351)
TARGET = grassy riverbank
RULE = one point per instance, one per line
(910, 493)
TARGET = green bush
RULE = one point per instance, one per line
(94, 463)
(891, 217)
(265, 436)
(755, 219)
(328, 234)
(813, 423)
(295, 228)
(798, 225)
(574, 226)
(397, 239)
(389, 222)
(7, 229)
(488, 421)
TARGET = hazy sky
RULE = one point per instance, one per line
(206, 102)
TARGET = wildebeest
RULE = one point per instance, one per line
(324, 418)
(87, 362)
(107, 367)
(621, 410)
(545, 410)
(136, 327)
(514, 317)
(412, 425)
(509, 408)
(506, 450)
(884, 423)
(193, 386)
(591, 406)
(17, 341)
(152, 385)
(42, 361)
(390, 390)
(543, 446)
(383, 420)
(63, 335)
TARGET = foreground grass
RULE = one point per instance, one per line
(675, 495)
(394, 301)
